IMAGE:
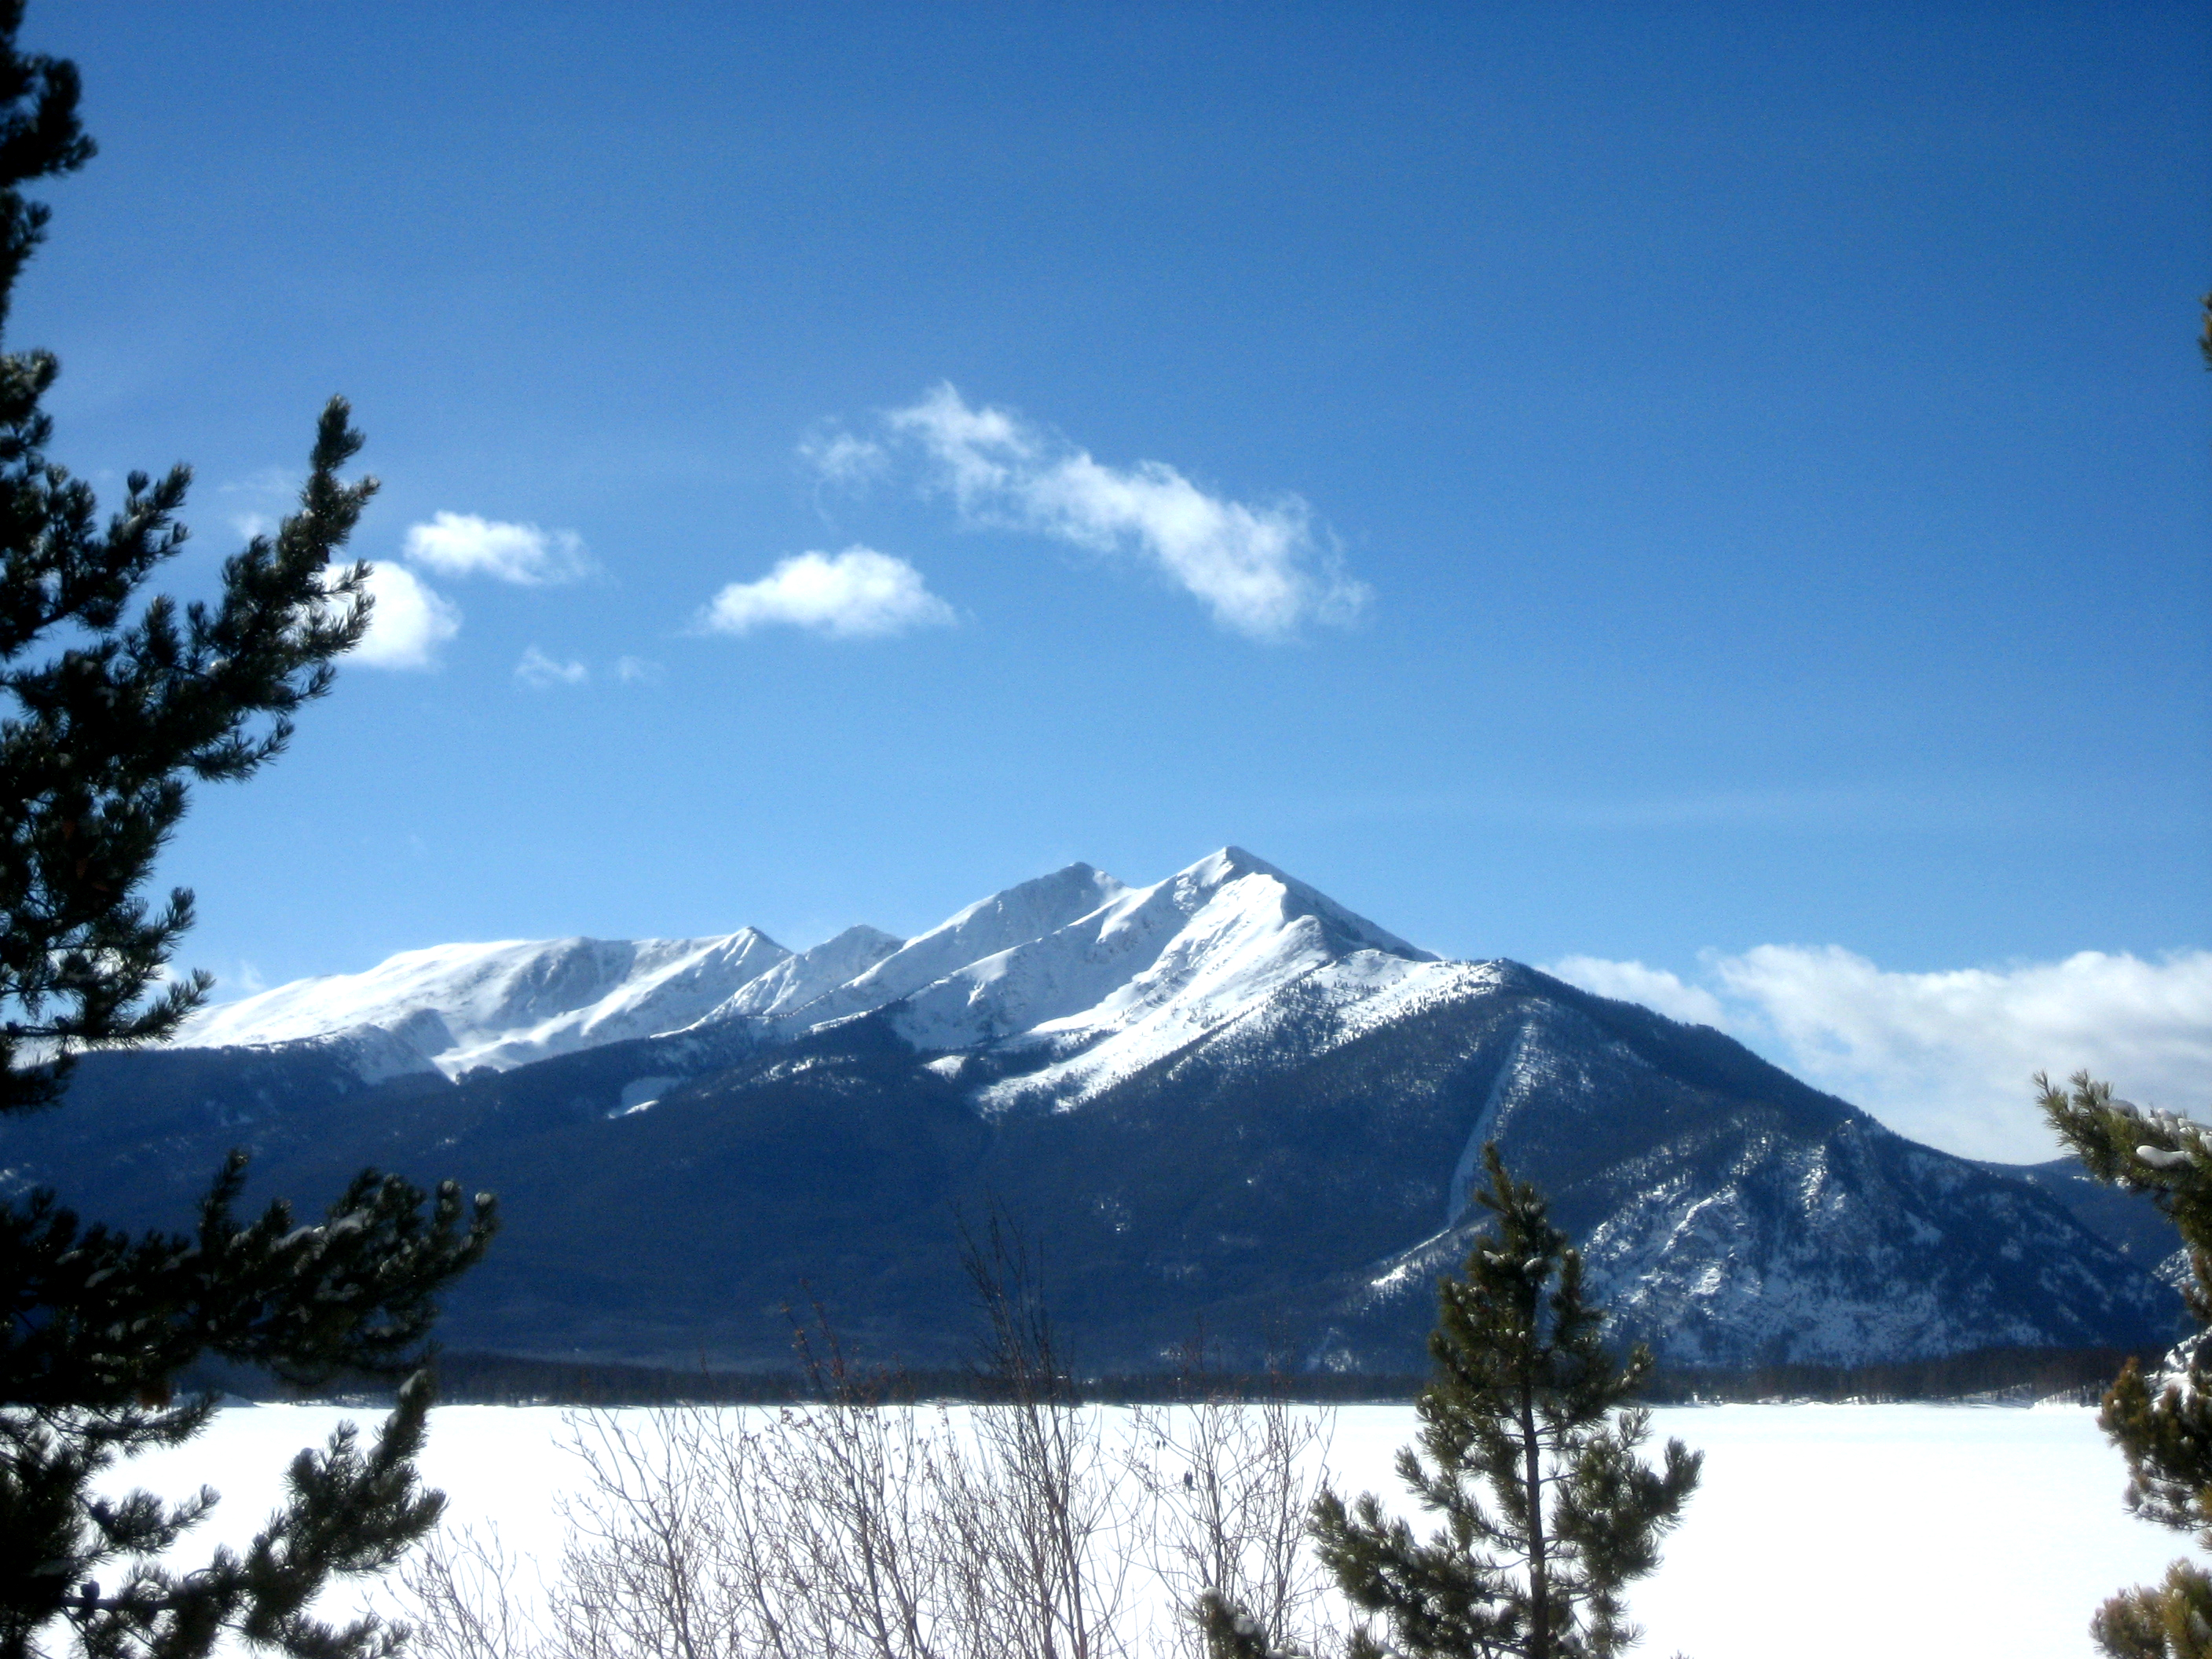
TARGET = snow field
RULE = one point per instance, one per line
(1818, 1530)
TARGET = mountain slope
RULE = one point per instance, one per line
(1224, 1105)
(502, 1005)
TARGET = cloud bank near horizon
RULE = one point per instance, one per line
(1263, 570)
(1945, 1058)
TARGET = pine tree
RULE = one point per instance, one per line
(1232, 1632)
(1529, 1452)
(2163, 1426)
(118, 699)
(2166, 1436)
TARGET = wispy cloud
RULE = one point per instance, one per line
(276, 481)
(541, 672)
(857, 593)
(840, 457)
(409, 624)
(636, 671)
(1263, 570)
(276, 491)
(463, 544)
(1946, 1057)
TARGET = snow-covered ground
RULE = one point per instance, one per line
(1819, 1530)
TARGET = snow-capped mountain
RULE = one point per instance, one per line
(454, 1008)
(1223, 1102)
(1094, 979)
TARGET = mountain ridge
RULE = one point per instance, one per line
(1222, 1101)
(1069, 960)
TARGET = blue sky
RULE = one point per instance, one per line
(1632, 484)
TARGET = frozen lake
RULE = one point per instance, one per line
(1819, 1530)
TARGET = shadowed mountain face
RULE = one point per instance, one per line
(1226, 1108)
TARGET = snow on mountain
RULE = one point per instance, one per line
(1110, 993)
(502, 1005)
(1072, 981)
(982, 931)
(798, 980)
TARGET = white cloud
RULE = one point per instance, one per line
(410, 622)
(1263, 571)
(1946, 1057)
(541, 672)
(856, 593)
(636, 671)
(1632, 981)
(463, 544)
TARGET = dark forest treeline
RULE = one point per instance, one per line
(505, 1380)
(2024, 1373)
(510, 1379)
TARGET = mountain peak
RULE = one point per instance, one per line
(1111, 991)
(1228, 864)
(1349, 931)
(798, 980)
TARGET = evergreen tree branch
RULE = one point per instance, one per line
(92, 767)
(347, 1513)
(2162, 1426)
(115, 702)
(97, 1319)
(1231, 1633)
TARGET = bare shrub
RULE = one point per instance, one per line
(857, 1560)
(855, 1529)
(654, 1563)
(811, 1533)
(1226, 1485)
(462, 1585)
(1041, 1519)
